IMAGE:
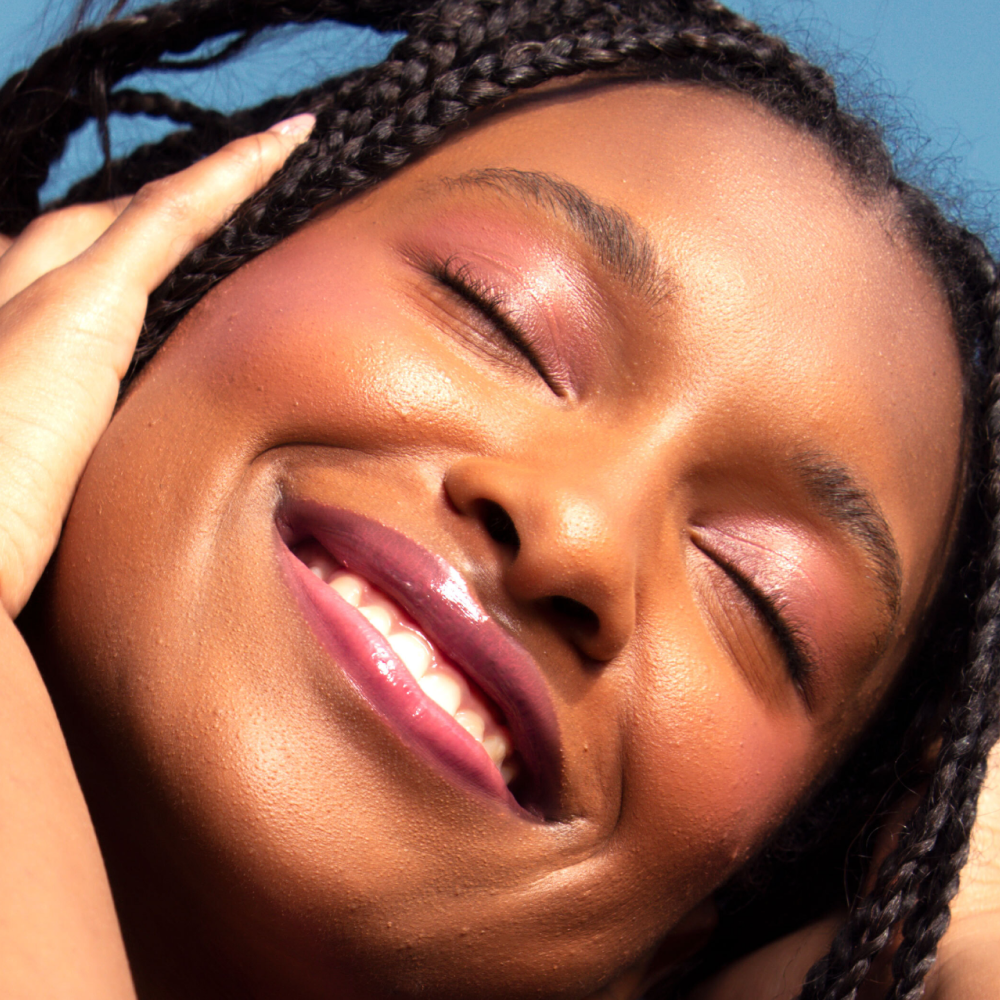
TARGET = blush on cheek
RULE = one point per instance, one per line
(304, 339)
(718, 779)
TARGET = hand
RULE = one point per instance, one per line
(73, 290)
(73, 293)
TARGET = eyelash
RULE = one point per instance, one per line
(488, 302)
(789, 638)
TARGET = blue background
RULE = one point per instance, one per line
(930, 68)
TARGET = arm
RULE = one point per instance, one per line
(73, 290)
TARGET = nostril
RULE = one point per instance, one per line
(575, 612)
(499, 525)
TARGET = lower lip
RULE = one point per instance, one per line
(367, 660)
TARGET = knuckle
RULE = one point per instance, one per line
(164, 197)
(245, 156)
(40, 227)
(249, 149)
(257, 153)
(150, 192)
(80, 214)
(67, 218)
(72, 228)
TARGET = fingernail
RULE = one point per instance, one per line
(298, 127)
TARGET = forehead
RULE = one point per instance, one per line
(790, 294)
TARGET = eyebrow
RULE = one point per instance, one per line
(622, 245)
(851, 507)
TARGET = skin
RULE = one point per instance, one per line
(263, 828)
(967, 965)
(73, 290)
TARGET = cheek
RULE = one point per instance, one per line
(716, 771)
(310, 343)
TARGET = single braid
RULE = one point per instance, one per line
(136, 102)
(462, 55)
(46, 103)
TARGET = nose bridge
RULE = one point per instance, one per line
(585, 506)
(598, 494)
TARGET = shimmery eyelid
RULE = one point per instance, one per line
(552, 297)
(772, 606)
(790, 563)
(770, 603)
(462, 278)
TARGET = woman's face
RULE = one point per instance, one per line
(630, 412)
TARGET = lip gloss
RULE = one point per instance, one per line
(435, 596)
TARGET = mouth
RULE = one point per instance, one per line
(442, 674)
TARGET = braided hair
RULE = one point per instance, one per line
(460, 55)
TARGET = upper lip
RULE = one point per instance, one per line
(438, 599)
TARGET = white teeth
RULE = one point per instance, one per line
(349, 587)
(443, 690)
(497, 747)
(440, 681)
(318, 561)
(413, 652)
(473, 722)
(378, 617)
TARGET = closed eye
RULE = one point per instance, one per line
(769, 609)
(487, 300)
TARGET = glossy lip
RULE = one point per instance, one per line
(436, 597)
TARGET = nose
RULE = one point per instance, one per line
(563, 547)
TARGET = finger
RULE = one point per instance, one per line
(51, 241)
(67, 339)
(167, 219)
(186, 208)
